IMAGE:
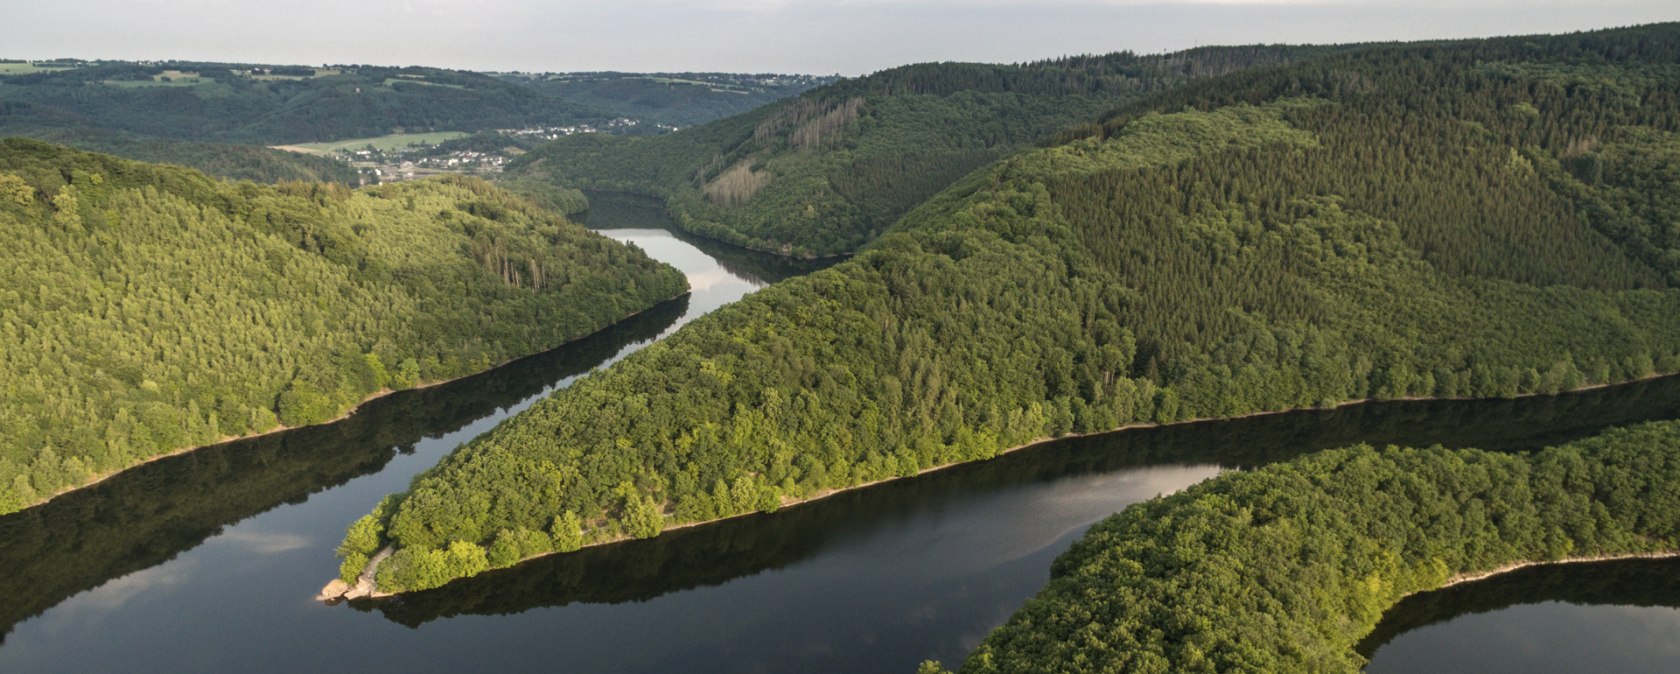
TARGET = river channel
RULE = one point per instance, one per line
(208, 561)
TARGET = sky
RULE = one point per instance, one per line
(848, 37)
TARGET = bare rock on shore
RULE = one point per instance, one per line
(364, 588)
(334, 590)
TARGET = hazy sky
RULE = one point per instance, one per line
(846, 36)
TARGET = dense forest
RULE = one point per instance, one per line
(260, 105)
(671, 99)
(824, 173)
(1394, 221)
(222, 160)
(149, 308)
(216, 117)
(1625, 582)
(1286, 568)
(715, 554)
(148, 515)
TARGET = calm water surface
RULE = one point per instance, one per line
(1619, 617)
(208, 561)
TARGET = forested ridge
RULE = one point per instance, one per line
(222, 160)
(1386, 222)
(152, 513)
(148, 308)
(216, 117)
(680, 99)
(824, 173)
(232, 103)
(1286, 568)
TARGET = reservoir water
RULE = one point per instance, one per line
(1609, 617)
(208, 561)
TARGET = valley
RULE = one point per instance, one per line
(1284, 356)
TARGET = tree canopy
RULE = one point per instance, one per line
(825, 172)
(146, 308)
(1286, 568)
(1386, 223)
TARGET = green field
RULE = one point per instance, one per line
(15, 68)
(167, 78)
(319, 72)
(395, 141)
(409, 80)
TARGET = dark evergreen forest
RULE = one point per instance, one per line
(1286, 568)
(824, 173)
(1483, 218)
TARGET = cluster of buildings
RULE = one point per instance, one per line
(553, 132)
(464, 160)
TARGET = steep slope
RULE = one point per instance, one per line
(145, 308)
(824, 173)
(1284, 569)
(1393, 221)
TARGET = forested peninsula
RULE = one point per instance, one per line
(823, 173)
(1286, 568)
(145, 309)
(1468, 219)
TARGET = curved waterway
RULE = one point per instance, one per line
(208, 561)
(1619, 616)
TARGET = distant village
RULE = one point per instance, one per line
(555, 132)
(393, 166)
(419, 161)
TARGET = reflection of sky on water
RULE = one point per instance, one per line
(240, 601)
(1541, 638)
(710, 284)
(929, 577)
(1019, 526)
(265, 544)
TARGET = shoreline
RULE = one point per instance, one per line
(1466, 578)
(795, 502)
(755, 249)
(676, 224)
(282, 428)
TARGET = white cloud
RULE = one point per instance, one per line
(265, 544)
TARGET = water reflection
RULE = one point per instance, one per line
(147, 515)
(988, 529)
(206, 561)
(1607, 617)
(625, 212)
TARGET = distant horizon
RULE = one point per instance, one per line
(323, 64)
(849, 38)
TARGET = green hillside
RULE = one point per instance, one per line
(222, 160)
(148, 308)
(273, 105)
(1284, 569)
(823, 173)
(216, 117)
(675, 99)
(1469, 219)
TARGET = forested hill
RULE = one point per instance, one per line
(217, 117)
(672, 99)
(1286, 568)
(221, 160)
(148, 308)
(1481, 218)
(825, 172)
(274, 105)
